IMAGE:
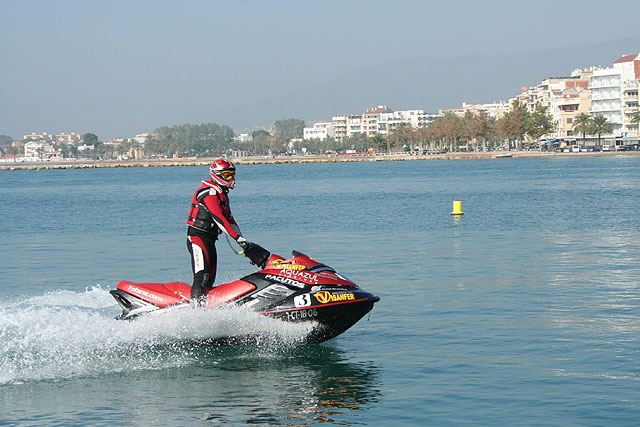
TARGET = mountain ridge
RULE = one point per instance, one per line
(432, 83)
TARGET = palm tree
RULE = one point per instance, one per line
(377, 140)
(582, 123)
(601, 125)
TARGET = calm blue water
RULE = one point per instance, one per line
(525, 311)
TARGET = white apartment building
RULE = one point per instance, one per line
(379, 120)
(141, 137)
(370, 119)
(606, 97)
(631, 102)
(320, 130)
(243, 138)
(495, 109)
(615, 94)
(339, 126)
(389, 121)
(40, 150)
(354, 124)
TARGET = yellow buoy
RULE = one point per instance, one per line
(457, 208)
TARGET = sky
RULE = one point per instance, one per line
(118, 68)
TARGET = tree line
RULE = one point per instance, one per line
(449, 132)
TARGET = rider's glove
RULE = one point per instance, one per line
(244, 244)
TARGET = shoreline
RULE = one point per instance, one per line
(329, 158)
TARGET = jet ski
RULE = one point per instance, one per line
(297, 289)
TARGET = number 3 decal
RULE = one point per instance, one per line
(303, 300)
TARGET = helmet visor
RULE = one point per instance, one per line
(227, 175)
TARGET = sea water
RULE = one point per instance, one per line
(525, 310)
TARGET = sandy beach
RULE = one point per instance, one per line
(330, 158)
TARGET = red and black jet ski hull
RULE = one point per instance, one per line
(295, 290)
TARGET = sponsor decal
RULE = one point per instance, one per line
(145, 293)
(333, 289)
(303, 300)
(279, 263)
(198, 258)
(284, 280)
(325, 297)
(302, 314)
(303, 276)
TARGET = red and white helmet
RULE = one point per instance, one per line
(223, 173)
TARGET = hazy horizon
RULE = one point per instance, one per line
(120, 68)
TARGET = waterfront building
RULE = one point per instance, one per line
(389, 121)
(379, 120)
(573, 99)
(354, 124)
(606, 98)
(370, 119)
(73, 138)
(85, 147)
(320, 130)
(495, 109)
(44, 136)
(631, 103)
(542, 94)
(564, 98)
(565, 108)
(243, 138)
(142, 137)
(615, 95)
(35, 151)
(9, 158)
(63, 137)
(339, 126)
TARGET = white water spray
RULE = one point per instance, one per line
(65, 334)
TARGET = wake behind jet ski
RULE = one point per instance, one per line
(298, 289)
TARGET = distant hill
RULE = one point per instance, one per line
(433, 83)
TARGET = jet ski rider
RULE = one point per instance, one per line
(209, 216)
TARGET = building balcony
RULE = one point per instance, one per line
(608, 93)
(604, 85)
(605, 109)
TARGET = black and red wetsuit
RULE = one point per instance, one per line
(209, 216)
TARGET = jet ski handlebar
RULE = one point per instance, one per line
(257, 254)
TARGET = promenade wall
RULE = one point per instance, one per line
(89, 164)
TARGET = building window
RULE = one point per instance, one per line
(569, 120)
(569, 133)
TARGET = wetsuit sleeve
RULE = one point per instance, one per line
(213, 205)
(235, 227)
